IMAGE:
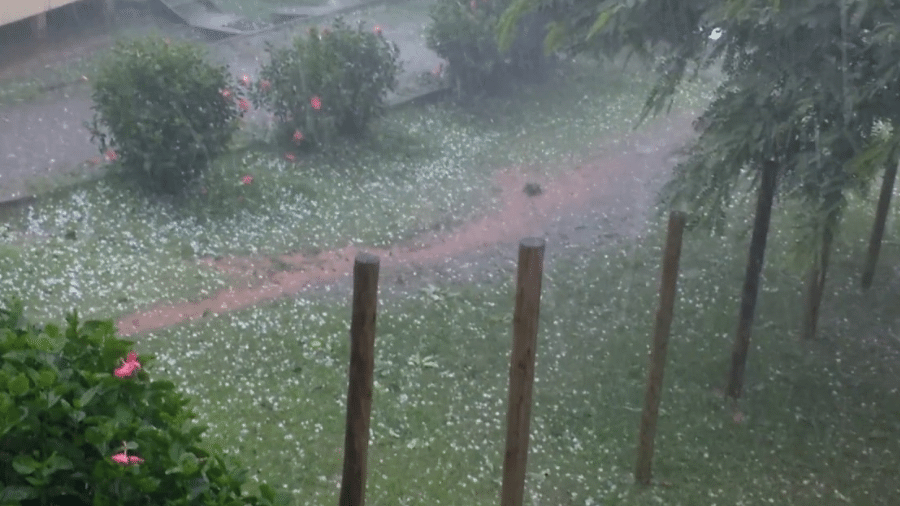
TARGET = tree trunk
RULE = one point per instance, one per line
(751, 279)
(884, 202)
(815, 285)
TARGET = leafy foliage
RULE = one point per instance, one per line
(163, 111)
(805, 84)
(65, 414)
(463, 34)
(331, 82)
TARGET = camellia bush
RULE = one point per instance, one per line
(163, 112)
(463, 32)
(330, 82)
(82, 423)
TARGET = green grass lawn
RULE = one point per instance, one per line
(821, 420)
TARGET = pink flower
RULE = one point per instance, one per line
(377, 30)
(290, 157)
(225, 93)
(245, 80)
(243, 105)
(247, 179)
(315, 102)
(298, 136)
(438, 70)
(473, 4)
(111, 155)
(126, 460)
(130, 365)
(265, 85)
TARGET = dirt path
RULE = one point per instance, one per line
(604, 196)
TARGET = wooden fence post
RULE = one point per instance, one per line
(359, 390)
(521, 369)
(667, 290)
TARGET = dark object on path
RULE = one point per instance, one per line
(532, 189)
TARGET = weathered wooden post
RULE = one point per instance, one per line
(359, 390)
(667, 290)
(751, 279)
(521, 369)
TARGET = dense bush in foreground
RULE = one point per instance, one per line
(82, 423)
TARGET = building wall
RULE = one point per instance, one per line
(17, 10)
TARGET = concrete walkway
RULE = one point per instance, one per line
(45, 138)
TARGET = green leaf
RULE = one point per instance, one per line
(87, 396)
(509, 21)
(46, 378)
(601, 21)
(56, 463)
(25, 464)
(19, 385)
(267, 492)
(18, 493)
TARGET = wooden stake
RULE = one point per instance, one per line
(667, 291)
(521, 369)
(359, 390)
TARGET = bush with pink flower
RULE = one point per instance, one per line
(329, 83)
(82, 422)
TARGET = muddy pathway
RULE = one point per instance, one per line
(601, 197)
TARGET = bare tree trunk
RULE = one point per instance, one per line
(751, 279)
(815, 285)
(884, 202)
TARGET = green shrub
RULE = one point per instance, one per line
(79, 426)
(463, 32)
(332, 82)
(163, 111)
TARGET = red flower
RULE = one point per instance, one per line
(377, 30)
(298, 136)
(290, 157)
(264, 85)
(315, 102)
(111, 155)
(244, 105)
(246, 179)
(245, 80)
